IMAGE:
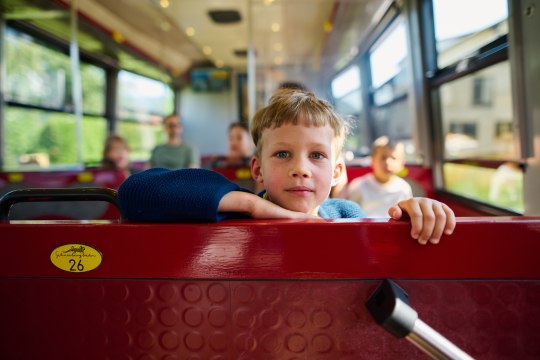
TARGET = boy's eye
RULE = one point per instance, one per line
(281, 154)
(317, 156)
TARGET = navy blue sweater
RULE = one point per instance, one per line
(193, 195)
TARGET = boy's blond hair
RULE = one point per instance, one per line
(294, 106)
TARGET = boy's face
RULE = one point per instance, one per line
(297, 166)
(386, 162)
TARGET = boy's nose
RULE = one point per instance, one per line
(300, 169)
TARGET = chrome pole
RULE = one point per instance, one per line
(390, 308)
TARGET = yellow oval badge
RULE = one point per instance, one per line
(76, 258)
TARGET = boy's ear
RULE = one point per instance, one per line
(256, 173)
(339, 168)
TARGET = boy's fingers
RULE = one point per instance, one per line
(428, 221)
(395, 212)
(440, 223)
(414, 211)
(450, 220)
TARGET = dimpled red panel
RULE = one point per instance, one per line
(263, 289)
(197, 319)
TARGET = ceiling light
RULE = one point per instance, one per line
(207, 50)
(268, 2)
(164, 3)
(278, 60)
(190, 31)
(275, 27)
(219, 63)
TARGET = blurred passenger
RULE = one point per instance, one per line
(175, 154)
(116, 159)
(378, 190)
(506, 186)
(292, 85)
(240, 148)
(287, 86)
(116, 155)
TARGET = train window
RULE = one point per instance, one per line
(463, 26)
(472, 127)
(143, 99)
(346, 91)
(500, 185)
(39, 75)
(480, 153)
(390, 79)
(40, 129)
(388, 56)
(47, 139)
(93, 80)
(143, 103)
(36, 75)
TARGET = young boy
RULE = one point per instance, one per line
(377, 191)
(298, 138)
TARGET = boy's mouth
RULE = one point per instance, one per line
(299, 190)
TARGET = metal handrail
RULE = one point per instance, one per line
(55, 194)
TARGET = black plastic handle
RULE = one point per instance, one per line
(389, 306)
(59, 194)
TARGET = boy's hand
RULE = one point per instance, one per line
(429, 218)
(257, 208)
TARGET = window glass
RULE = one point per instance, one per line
(346, 82)
(94, 130)
(391, 111)
(350, 103)
(93, 81)
(388, 55)
(358, 143)
(346, 91)
(501, 186)
(142, 99)
(47, 139)
(394, 121)
(463, 26)
(41, 76)
(35, 74)
(477, 115)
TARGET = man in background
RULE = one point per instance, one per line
(175, 154)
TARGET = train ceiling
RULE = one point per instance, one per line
(179, 34)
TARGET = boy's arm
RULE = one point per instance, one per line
(429, 218)
(257, 207)
(161, 195)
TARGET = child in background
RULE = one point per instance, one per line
(116, 155)
(116, 159)
(240, 148)
(377, 191)
(298, 140)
